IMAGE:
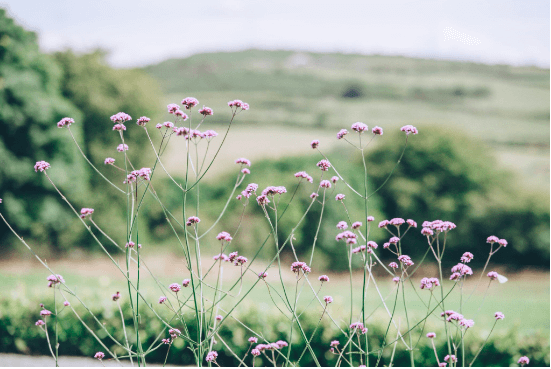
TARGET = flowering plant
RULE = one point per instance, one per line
(208, 302)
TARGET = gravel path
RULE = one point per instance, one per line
(17, 360)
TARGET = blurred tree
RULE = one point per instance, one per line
(36, 91)
(447, 175)
(100, 91)
(31, 104)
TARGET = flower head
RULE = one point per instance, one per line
(211, 356)
(219, 317)
(393, 265)
(189, 102)
(339, 197)
(262, 275)
(238, 104)
(65, 122)
(409, 129)
(412, 223)
(186, 282)
(86, 212)
(122, 147)
(324, 165)
(356, 225)
(314, 195)
(66, 303)
(305, 176)
(116, 296)
(462, 269)
(328, 299)
(359, 127)
(315, 144)
(224, 236)
(406, 260)
(174, 333)
(499, 315)
(142, 121)
(99, 355)
(255, 352)
(223, 257)
(450, 359)
(39, 322)
(467, 257)
(240, 260)
(192, 220)
(431, 335)
(342, 225)
(174, 287)
(41, 166)
(323, 278)
(384, 223)
(232, 256)
(162, 299)
(120, 117)
(243, 161)
(325, 184)
(377, 130)
(492, 275)
(109, 161)
(206, 111)
(492, 239)
(274, 190)
(523, 361)
(466, 323)
(427, 232)
(297, 266)
(342, 133)
(396, 221)
(429, 283)
(334, 343)
(372, 245)
(172, 108)
(370, 218)
(54, 279)
(45, 312)
(119, 127)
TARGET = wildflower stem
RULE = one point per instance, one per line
(483, 344)
(124, 330)
(89, 162)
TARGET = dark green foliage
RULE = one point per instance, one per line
(31, 104)
(18, 334)
(441, 176)
(447, 175)
(36, 91)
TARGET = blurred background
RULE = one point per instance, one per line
(472, 77)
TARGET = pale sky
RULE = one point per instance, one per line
(141, 32)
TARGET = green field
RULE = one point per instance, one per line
(302, 95)
(524, 299)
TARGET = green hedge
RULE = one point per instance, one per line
(18, 334)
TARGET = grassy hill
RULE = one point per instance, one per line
(313, 94)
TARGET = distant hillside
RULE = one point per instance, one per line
(506, 106)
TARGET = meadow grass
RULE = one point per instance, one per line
(524, 299)
(296, 95)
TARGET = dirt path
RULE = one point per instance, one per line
(16, 360)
